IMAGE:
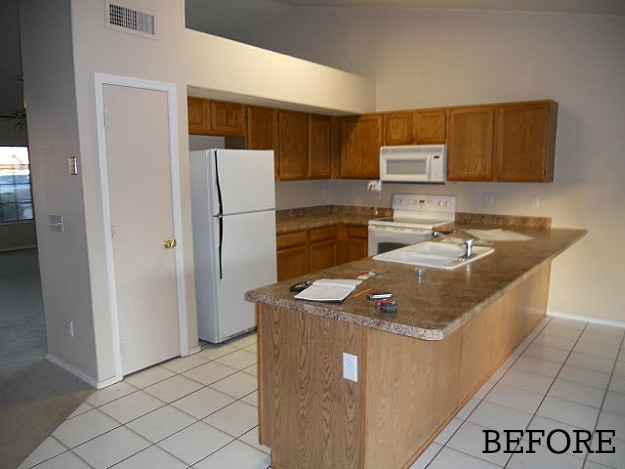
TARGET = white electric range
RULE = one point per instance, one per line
(414, 218)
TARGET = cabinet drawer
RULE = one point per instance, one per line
(354, 231)
(320, 234)
(297, 238)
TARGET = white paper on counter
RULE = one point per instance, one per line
(329, 289)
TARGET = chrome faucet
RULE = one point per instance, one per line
(468, 246)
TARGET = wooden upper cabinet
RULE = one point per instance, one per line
(361, 138)
(398, 128)
(319, 147)
(415, 127)
(470, 133)
(526, 141)
(293, 144)
(227, 118)
(262, 131)
(430, 126)
(199, 116)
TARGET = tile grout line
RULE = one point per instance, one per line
(605, 393)
(549, 389)
(137, 389)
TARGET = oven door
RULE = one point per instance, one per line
(388, 238)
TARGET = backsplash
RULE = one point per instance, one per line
(508, 221)
(333, 209)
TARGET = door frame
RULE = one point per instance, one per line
(102, 79)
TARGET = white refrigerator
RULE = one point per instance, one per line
(234, 236)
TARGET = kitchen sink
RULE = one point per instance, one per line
(439, 255)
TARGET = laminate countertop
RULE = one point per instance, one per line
(435, 305)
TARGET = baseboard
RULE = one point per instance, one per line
(192, 351)
(588, 319)
(76, 372)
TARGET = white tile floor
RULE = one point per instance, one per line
(201, 411)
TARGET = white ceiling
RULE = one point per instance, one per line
(610, 7)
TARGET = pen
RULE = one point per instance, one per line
(361, 293)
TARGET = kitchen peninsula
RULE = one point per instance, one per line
(416, 367)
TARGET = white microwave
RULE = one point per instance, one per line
(413, 163)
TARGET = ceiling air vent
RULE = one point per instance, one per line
(131, 20)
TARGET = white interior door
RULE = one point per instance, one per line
(141, 208)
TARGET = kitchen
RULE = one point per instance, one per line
(585, 192)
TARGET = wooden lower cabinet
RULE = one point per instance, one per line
(292, 254)
(323, 248)
(353, 243)
(407, 388)
(307, 251)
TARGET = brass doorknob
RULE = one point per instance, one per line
(169, 243)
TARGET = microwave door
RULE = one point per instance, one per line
(408, 169)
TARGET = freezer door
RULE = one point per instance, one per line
(245, 180)
(248, 260)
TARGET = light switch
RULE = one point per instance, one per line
(55, 222)
(72, 165)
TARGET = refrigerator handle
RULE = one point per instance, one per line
(221, 239)
(219, 215)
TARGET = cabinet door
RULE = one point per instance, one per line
(227, 118)
(199, 116)
(262, 131)
(323, 248)
(398, 128)
(293, 138)
(353, 243)
(526, 141)
(430, 126)
(292, 255)
(470, 133)
(357, 242)
(361, 138)
(319, 146)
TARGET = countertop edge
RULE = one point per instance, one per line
(327, 310)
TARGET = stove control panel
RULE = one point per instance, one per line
(424, 203)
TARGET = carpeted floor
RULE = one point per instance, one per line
(35, 395)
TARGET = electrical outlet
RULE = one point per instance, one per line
(350, 367)
(374, 186)
(534, 201)
(69, 327)
(489, 199)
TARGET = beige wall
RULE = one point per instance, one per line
(423, 58)
(60, 60)
(53, 127)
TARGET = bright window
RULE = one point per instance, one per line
(16, 200)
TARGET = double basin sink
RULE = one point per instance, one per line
(439, 255)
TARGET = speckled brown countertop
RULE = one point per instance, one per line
(433, 307)
(308, 218)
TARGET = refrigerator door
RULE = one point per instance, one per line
(248, 260)
(244, 181)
